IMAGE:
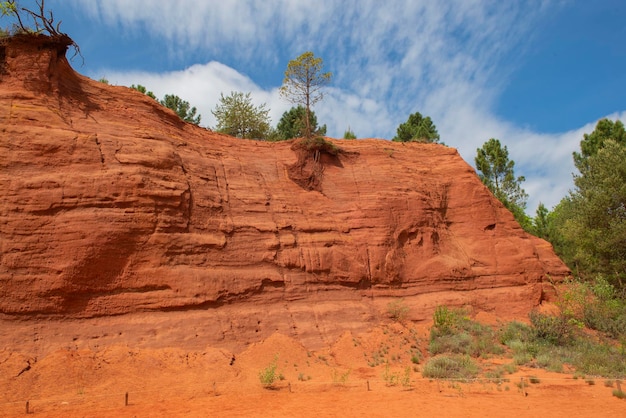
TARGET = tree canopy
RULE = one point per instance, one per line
(588, 227)
(182, 108)
(303, 84)
(238, 117)
(418, 129)
(593, 142)
(349, 134)
(497, 172)
(292, 124)
(596, 222)
(142, 89)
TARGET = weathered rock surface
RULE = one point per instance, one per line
(111, 205)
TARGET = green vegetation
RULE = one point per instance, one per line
(349, 134)
(587, 228)
(497, 172)
(398, 310)
(552, 341)
(454, 333)
(450, 367)
(417, 129)
(27, 21)
(268, 375)
(340, 378)
(182, 108)
(303, 83)
(292, 124)
(238, 117)
(142, 89)
(35, 21)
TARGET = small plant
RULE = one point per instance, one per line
(391, 379)
(590, 382)
(339, 378)
(444, 319)
(405, 380)
(398, 310)
(608, 383)
(303, 378)
(619, 394)
(534, 379)
(268, 375)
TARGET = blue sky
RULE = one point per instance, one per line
(535, 74)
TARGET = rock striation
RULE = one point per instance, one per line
(112, 205)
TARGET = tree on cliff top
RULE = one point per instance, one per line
(238, 117)
(142, 89)
(292, 124)
(182, 108)
(303, 83)
(496, 171)
(417, 129)
(42, 23)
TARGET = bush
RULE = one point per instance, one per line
(619, 394)
(398, 310)
(268, 375)
(596, 304)
(450, 367)
(555, 330)
(514, 331)
(444, 319)
(454, 333)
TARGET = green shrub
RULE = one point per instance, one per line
(555, 330)
(450, 367)
(444, 319)
(454, 333)
(514, 331)
(398, 310)
(268, 375)
(619, 394)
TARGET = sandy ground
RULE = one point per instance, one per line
(348, 378)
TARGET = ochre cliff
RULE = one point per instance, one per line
(111, 205)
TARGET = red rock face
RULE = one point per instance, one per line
(111, 205)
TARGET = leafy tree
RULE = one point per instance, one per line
(596, 218)
(292, 124)
(541, 223)
(496, 171)
(303, 83)
(182, 108)
(237, 116)
(142, 89)
(591, 143)
(349, 134)
(418, 129)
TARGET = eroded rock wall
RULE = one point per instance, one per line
(112, 205)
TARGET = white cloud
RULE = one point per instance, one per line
(448, 60)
